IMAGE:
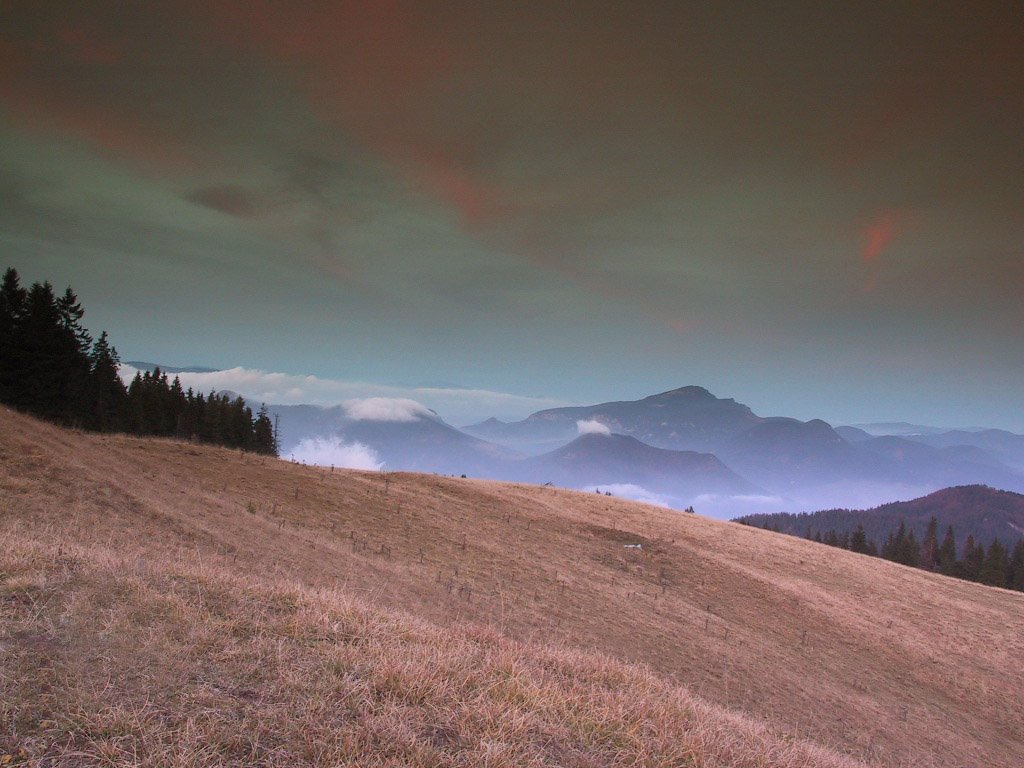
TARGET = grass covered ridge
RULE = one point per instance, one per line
(863, 657)
(112, 660)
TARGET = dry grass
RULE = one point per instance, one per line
(190, 664)
(195, 614)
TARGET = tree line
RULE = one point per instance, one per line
(995, 564)
(51, 367)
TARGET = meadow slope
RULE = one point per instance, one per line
(163, 588)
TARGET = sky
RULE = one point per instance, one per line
(814, 208)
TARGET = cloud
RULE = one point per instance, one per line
(751, 498)
(877, 236)
(386, 409)
(228, 199)
(456, 405)
(633, 493)
(592, 427)
(724, 506)
(334, 452)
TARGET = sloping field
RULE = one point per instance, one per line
(166, 603)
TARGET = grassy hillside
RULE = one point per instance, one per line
(166, 603)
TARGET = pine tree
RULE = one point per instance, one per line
(41, 348)
(1015, 572)
(108, 397)
(13, 301)
(859, 540)
(74, 363)
(211, 428)
(948, 564)
(930, 546)
(910, 554)
(996, 565)
(895, 547)
(71, 314)
(135, 415)
(264, 439)
(973, 559)
(889, 547)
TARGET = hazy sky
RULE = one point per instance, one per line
(818, 212)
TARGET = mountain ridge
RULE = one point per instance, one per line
(980, 511)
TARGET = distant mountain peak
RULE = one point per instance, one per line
(692, 391)
(610, 438)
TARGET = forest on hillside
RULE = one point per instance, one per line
(994, 564)
(52, 368)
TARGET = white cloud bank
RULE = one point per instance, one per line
(456, 406)
(726, 507)
(334, 452)
(592, 427)
(386, 409)
(633, 493)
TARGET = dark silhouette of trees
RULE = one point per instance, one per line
(902, 547)
(13, 305)
(107, 397)
(948, 564)
(51, 367)
(973, 559)
(930, 546)
(859, 540)
(1015, 571)
(994, 565)
(264, 434)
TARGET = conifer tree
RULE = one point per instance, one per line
(859, 540)
(973, 559)
(895, 547)
(13, 300)
(889, 547)
(995, 566)
(108, 397)
(176, 405)
(930, 546)
(71, 313)
(1015, 571)
(41, 347)
(74, 363)
(910, 554)
(264, 439)
(948, 564)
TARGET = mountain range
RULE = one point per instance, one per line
(684, 447)
(593, 460)
(685, 419)
(972, 510)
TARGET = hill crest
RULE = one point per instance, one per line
(977, 510)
